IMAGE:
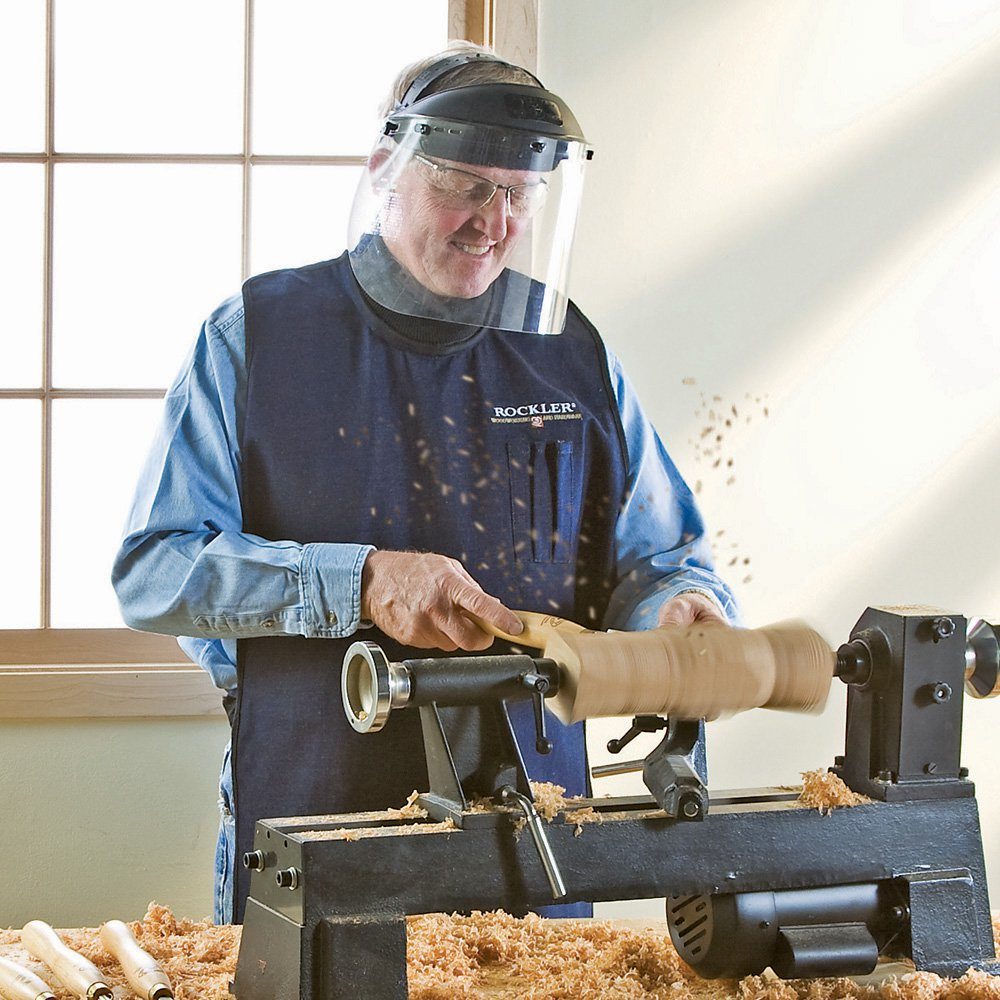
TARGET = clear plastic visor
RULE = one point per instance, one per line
(466, 242)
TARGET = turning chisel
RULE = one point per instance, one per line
(72, 970)
(145, 976)
(17, 983)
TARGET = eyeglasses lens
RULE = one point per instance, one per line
(465, 189)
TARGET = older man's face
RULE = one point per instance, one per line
(439, 232)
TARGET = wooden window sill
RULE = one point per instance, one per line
(100, 673)
(107, 691)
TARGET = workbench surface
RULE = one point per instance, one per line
(496, 956)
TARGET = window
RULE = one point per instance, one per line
(151, 159)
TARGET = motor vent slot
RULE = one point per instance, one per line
(691, 924)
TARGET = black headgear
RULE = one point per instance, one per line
(509, 125)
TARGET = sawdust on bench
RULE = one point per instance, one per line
(493, 956)
(825, 791)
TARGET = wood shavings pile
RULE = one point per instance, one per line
(825, 791)
(496, 955)
(351, 833)
(199, 958)
(550, 799)
(493, 956)
(410, 810)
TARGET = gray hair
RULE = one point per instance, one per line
(480, 71)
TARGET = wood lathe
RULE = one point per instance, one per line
(752, 878)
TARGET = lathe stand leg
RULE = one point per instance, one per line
(362, 958)
(950, 926)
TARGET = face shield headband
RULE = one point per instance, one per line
(468, 208)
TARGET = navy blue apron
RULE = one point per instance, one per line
(504, 451)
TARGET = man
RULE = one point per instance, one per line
(388, 441)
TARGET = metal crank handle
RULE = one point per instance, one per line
(510, 795)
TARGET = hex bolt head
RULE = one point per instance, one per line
(690, 807)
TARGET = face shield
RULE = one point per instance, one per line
(468, 206)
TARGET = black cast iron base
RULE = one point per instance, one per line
(341, 933)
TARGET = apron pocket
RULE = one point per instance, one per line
(543, 505)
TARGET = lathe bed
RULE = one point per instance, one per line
(355, 893)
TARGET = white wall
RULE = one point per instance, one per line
(801, 202)
(103, 815)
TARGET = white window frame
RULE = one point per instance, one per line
(57, 673)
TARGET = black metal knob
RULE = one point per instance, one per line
(941, 693)
(942, 628)
(255, 861)
(287, 878)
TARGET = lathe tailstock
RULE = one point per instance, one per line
(753, 879)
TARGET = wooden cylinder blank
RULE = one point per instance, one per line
(702, 671)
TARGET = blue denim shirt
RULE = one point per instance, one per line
(187, 568)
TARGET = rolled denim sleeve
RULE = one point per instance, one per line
(185, 566)
(661, 546)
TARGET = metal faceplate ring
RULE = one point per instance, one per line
(982, 660)
(364, 687)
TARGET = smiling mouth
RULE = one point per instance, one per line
(473, 250)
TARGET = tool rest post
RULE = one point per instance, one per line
(473, 680)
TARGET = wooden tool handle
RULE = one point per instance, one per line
(538, 629)
(17, 983)
(72, 970)
(141, 970)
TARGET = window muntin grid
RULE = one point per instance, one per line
(16, 149)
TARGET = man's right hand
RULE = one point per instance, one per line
(420, 599)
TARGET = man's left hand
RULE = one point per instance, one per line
(689, 608)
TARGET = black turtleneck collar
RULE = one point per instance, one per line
(419, 330)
